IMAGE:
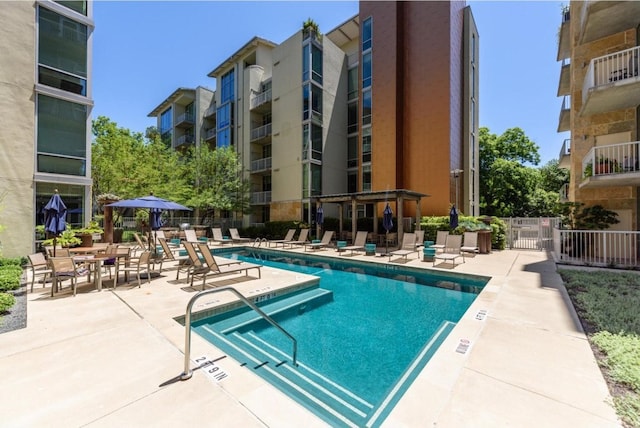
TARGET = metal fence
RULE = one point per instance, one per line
(531, 233)
(597, 247)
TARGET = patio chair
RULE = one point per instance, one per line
(109, 263)
(141, 245)
(168, 255)
(452, 250)
(63, 268)
(325, 242)
(302, 239)
(470, 243)
(214, 269)
(419, 238)
(139, 265)
(235, 236)
(196, 263)
(190, 235)
(408, 247)
(217, 236)
(358, 243)
(441, 240)
(287, 238)
(39, 267)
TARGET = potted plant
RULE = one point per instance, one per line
(87, 234)
(588, 170)
(606, 166)
(66, 239)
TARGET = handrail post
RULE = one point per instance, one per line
(187, 373)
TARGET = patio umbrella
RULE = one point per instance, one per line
(55, 213)
(320, 217)
(387, 223)
(155, 221)
(453, 217)
(151, 203)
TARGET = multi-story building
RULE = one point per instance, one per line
(387, 100)
(599, 46)
(45, 105)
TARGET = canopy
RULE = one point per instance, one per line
(149, 202)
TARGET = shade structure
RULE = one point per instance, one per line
(387, 223)
(155, 206)
(55, 217)
(453, 217)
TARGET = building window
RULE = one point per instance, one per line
(62, 52)
(352, 83)
(72, 195)
(166, 126)
(311, 62)
(223, 138)
(366, 70)
(366, 178)
(352, 182)
(311, 142)
(352, 118)
(227, 87)
(366, 107)
(366, 145)
(62, 136)
(311, 102)
(352, 151)
(367, 32)
(78, 6)
(311, 180)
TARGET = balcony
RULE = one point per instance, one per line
(260, 198)
(564, 160)
(261, 134)
(261, 102)
(613, 165)
(564, 37)
(261, 165)
(211, 111)
(564, 121)
(563, 193)
(184, 139)
(604, 18)
(210, 134)
(564, 85)
(185, 120)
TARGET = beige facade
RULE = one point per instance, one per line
(45, 96)
(600, 46)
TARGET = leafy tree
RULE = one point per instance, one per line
(217, 183)
(575, 215)
(552, 176)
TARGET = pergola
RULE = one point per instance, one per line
(399, 195)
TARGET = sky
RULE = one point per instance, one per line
(144, 50)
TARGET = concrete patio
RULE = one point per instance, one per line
(111, 358)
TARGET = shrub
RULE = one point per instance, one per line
(433, 224)
(10, 277)
(6, 302)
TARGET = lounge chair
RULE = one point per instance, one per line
(141, 245)
(196, 262)
(452, 250)
(419, 238)
(190, 235)
(287, 238)
(358, 243)
(217, 236)
(441, 240)
(470, 243)
(212, 267)
(235, 236)
(408, 247)
(302, 239)
(325, 242)
(39, 266)
(168, 255)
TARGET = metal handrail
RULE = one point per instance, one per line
(187, 373)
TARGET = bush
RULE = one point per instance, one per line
(431, 225)
(18, 261)
(10, 277)
(6, 302)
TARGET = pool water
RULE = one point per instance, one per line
(369, 334)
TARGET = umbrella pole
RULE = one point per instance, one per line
(386, 252)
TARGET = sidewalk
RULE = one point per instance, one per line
(100, 360)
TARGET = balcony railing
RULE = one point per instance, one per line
(210, 134)
(185, 118)
(565, 154)
(261, 165)
(210, 111)
(260, 132)
(261, 98)
(597, 247)
(611, 68)
(611, 159)
(564, 121)
(261, 198)
(184, 139)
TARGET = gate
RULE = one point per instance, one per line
(531, 233)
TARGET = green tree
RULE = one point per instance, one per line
(552, 176)
(217, 182)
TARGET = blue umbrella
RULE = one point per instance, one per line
(453, 217)
(387, 223)
(155, 218)
(319, 218)
(55, 214)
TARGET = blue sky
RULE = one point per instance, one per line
(144, 50)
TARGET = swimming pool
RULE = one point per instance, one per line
(363, 334)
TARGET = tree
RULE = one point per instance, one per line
(217, 182)
(552, 176)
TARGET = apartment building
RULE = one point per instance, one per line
(387, 100)
(599, 46)
(45, 106)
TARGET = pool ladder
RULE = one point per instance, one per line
(257, 244)
(187, 373)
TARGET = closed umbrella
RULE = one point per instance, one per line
(155, 221)
(387, 223)
(320, 217)
(453, 217)
(55, 213)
